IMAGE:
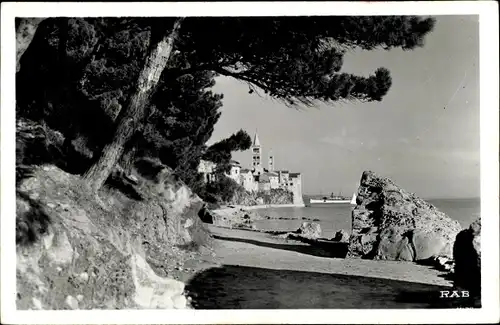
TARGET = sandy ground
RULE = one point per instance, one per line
(258, 271)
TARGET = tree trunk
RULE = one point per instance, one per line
(134, 112)
(25, 31)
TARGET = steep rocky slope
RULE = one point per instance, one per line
(74, 252)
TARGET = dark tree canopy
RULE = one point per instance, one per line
(182, 120)
(79, 75)
(101, 61)
(220, 152)
(299, 58)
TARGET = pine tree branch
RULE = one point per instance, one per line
(244, 77)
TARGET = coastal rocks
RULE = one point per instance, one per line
(274, 196)
(467, 255)
(236, 217)
(341, 236)
(245, 226)
(206, 215)
(391, 224)
(277, 196)
(443, 263)
(309, 230)
(242, 197)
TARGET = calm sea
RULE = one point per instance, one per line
(333, 217)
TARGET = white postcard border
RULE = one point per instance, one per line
(489, 69)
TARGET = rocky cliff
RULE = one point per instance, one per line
(74, 252)
(275, 196)
(392, 224)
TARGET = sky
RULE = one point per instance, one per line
(409, 136)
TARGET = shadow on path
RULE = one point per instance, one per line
(334, 250)
(238, 287)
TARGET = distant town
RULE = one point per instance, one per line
(258, 178)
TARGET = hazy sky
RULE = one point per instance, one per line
(408, 136)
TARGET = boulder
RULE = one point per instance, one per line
(206, 215)
(467, 255)
(309, 230)
(341, 236)
(390, 223)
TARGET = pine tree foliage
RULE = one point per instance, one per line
(79, 74)
(221, 152)
(298, 59)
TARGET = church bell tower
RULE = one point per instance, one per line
(256, 153)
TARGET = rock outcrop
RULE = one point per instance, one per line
(232, 217)
(341, 236)
(76, 253)
(206, 215)
(392, 224)
(467, 255)
(310, 230)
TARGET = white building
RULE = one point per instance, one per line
(274, 180)
(284, 179)
(296, 188)
(248, 180)
(234, 172)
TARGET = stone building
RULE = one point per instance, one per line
(259, 178)
(265, 179)
(235, 171)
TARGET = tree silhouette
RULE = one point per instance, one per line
(220, 152)
(297, 60)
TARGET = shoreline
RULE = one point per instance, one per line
(256, 207)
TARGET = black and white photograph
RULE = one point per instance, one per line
(327, 161)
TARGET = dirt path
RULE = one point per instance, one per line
(258, 270)
(255, 249)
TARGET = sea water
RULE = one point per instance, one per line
(333, 217)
